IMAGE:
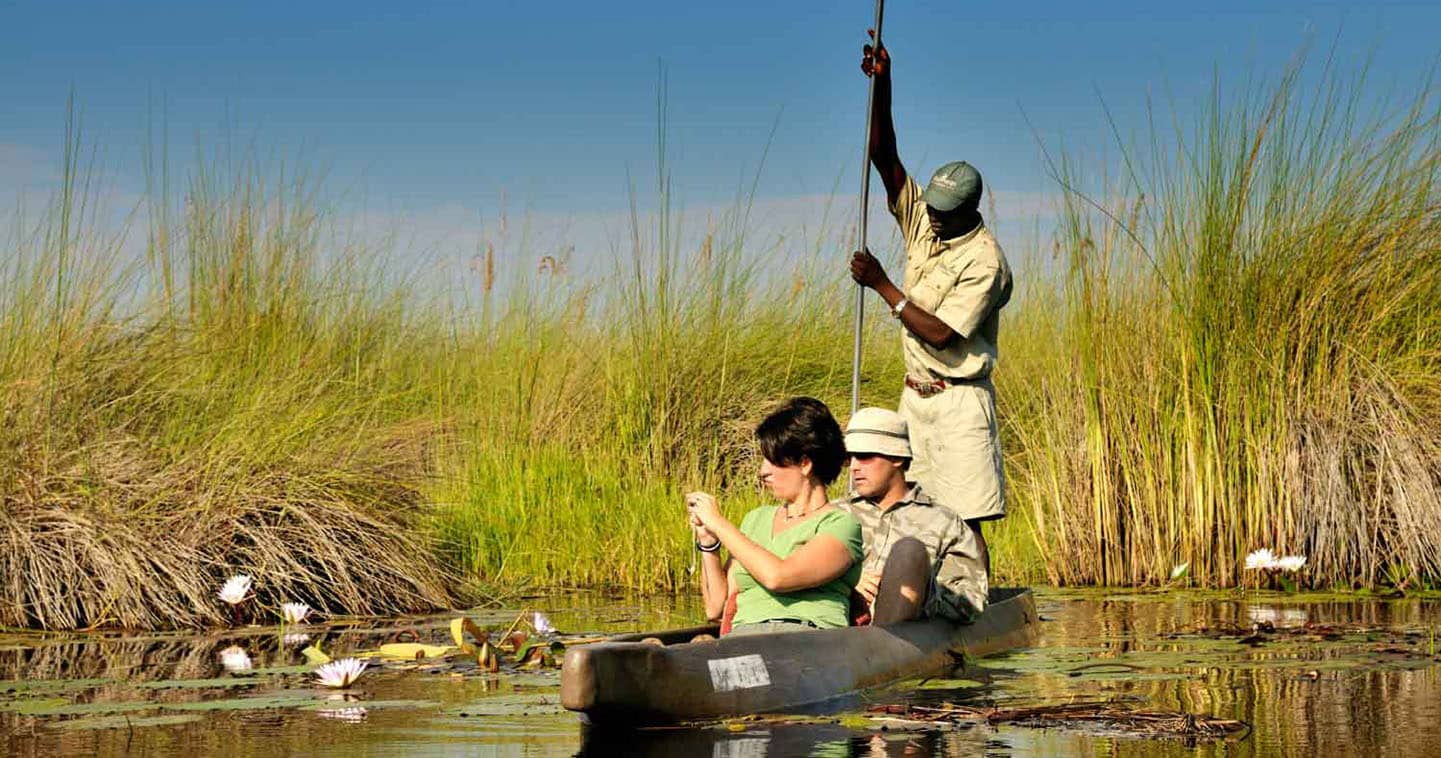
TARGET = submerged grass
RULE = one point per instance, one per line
(1239, 347)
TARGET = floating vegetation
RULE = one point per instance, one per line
(39, 686)
(530, 704)
(949, 684)
(1152, 666)
(63, 707)
(167, 680)
(371, 704)
(1105, 717)
(279, 699)
(127, 722)
(225, 682)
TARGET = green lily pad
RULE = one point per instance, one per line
(31, 705)
(244, 703)
(224, 682)
(61, 707)
(949, 684)
(280, 670)
(530, 678)
(125, 722)
(50, 685)
(369, 704)
(532, 704)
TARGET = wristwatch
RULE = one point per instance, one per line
(898, 307)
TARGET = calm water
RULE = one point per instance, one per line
(1336, 677)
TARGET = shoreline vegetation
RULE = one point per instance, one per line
(1234, 342)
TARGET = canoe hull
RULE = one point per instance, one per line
(628, 681)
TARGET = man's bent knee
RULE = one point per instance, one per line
(909, 555)
(904, 581)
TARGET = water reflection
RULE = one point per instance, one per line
(235, 660)
(823, 740)
(1276, 615)
(344, 708)
(1318, 676)
(295, 639)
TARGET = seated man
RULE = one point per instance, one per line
(921, 559)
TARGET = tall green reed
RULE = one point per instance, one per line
(1239, 350)
(1250, 313)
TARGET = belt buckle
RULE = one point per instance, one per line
(926, 389)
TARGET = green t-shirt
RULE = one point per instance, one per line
(825, 606)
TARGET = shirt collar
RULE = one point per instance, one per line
(914, 496)
(964, 238)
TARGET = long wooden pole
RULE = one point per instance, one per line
(865, 211)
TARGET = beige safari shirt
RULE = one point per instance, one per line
(959, 584)
(964, 281)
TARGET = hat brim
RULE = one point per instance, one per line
(877, 444)
(940, 200)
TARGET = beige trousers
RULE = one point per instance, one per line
(956, 449)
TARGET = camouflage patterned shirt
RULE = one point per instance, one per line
(959, 584)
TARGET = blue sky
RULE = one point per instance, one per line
(451, 109)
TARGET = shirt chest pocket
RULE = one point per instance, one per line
(935, 282)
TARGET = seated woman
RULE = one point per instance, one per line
(794, 564)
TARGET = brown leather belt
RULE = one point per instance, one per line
(929, 387)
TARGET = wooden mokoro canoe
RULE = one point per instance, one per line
(626, 681)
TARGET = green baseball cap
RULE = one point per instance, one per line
(954, 185)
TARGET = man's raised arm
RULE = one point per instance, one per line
(876, 63)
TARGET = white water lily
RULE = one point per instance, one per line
(294, 613)
(1261, 559)
(295, 639)
(235, 660)
(235, 589)
(542, 624)
(341, 673)
(1289, 563)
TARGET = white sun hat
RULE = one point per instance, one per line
(878, 430)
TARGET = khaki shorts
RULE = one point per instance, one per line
(956, 446)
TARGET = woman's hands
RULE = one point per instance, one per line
(700, 506)
(703, 509)
(715, 576)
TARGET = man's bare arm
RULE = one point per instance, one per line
(867, 272)
(876, 63)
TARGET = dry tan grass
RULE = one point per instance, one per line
(106, 540)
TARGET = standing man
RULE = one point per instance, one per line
(956, 280)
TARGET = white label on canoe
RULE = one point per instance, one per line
(738, 673)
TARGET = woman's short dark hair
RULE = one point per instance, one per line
(803, 427)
